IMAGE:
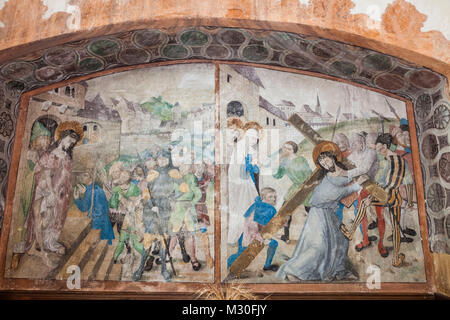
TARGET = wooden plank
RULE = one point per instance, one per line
(250, 253)
(312, 136)
(116, 272)
(107, 260)
(309, 133)
(93, 259)
(255, 247)
(91, 239)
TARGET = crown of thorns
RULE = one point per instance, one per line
(326, 146)
(72, 126)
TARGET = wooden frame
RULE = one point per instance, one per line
(25, 288)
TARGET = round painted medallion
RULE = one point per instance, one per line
(194, 38)
(60, 56)
(436, 197)
(104, 47)
(423, 105)
(430, 146)
(390, 81)
(50, 74)
(425, 79)
(255, 53)
(18, 70)
(175, 51)
(377, 62)
(90, 65)
(134, 56)
(441, 116)
(149, 38)
(231, 37)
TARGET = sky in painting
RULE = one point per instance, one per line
(302, 89)
(189, 84)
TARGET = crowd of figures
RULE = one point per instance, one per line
(153, 204)
(321, 252)
(156, 205)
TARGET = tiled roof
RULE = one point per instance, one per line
(249, 73)
(263, 103)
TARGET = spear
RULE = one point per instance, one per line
(94, 176)
(335, 122)
(381, 119)
(166, 242)
(392, 109)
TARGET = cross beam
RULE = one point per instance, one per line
(255, 247)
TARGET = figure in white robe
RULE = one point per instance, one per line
(242, 190)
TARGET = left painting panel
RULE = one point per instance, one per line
(116, 178)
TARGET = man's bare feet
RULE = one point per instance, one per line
(291, 278)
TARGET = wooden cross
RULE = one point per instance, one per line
(255, 247)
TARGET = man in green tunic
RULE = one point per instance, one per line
(184, 216)
(297, 169)
(123, 201)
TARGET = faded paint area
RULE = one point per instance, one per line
(55, 6)
(442, 267)
(2, 4)
(73, 21)
(437, 14)
(405, 24)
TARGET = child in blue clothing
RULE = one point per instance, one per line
(256, 217)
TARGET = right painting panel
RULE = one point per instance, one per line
(317, 182)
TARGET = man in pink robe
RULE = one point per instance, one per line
(51, 193)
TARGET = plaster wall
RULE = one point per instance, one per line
(414, 30)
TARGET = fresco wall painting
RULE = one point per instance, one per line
(125, 176)
(133, 130)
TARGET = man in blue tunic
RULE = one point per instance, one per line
(99, 210)
(256, 217)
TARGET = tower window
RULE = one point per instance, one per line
(228, 78)
(235, 109)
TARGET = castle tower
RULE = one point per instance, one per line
(318, 107)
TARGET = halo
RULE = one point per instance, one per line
(255, 126)
(325, 146)
(238, 123)
(75, 126)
